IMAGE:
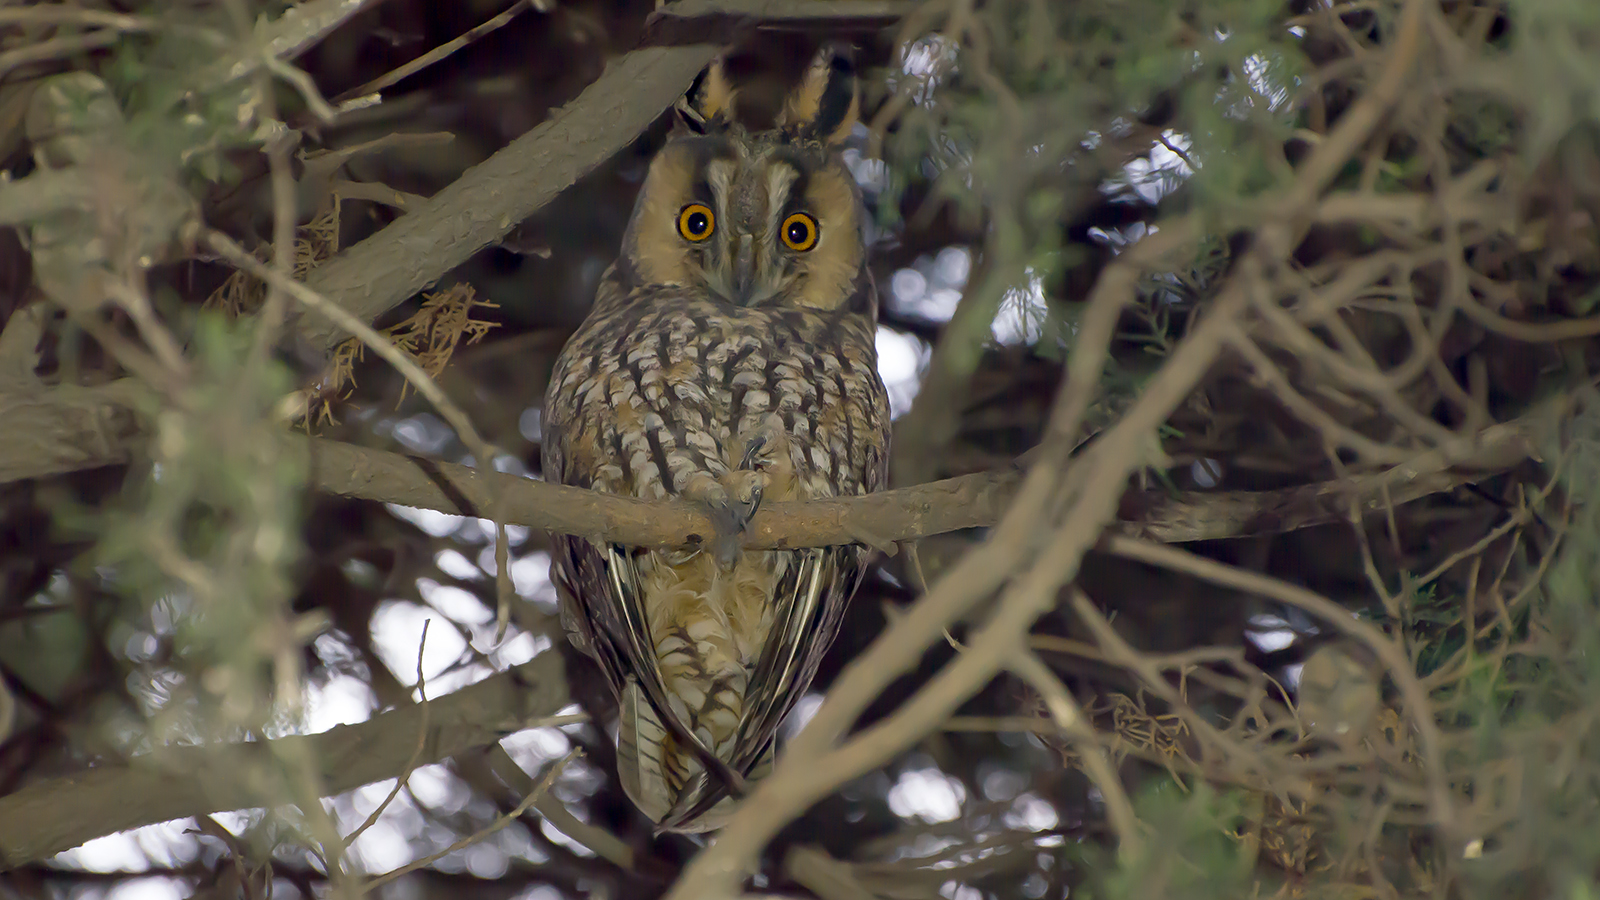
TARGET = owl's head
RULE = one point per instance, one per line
(756, 218)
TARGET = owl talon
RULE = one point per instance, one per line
(751, 450)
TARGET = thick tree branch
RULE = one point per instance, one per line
(47, 817)
(967, 502)
(65, 429)
(484, 203)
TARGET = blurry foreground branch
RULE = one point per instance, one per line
(46, 817)
(1061, 513)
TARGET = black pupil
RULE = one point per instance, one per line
(799, 231)
(698, 223)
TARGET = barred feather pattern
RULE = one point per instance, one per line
(667, 392)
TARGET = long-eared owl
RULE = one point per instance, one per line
(729, 359)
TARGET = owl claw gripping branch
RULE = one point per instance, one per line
(729, 359)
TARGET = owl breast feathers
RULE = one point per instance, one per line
(729, 359)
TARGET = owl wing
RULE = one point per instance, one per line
(597, 582)
(603, 608)
(599, 608)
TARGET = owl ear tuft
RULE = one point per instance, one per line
(708, 105)
(827, 102)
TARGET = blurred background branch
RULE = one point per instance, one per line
(47, 817)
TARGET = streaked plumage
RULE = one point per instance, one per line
(729, 359)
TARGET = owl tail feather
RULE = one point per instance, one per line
(701, 668)
(663, 782)
(642, 762)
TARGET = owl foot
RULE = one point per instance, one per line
(729, 517)
(735, 504)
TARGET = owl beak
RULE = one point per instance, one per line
(744, 267)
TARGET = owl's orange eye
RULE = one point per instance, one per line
(696, 221)
(799, 232)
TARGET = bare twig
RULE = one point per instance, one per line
(935, 414)
(72, 15)
(967, 501)
(500, 822)
(302, 83)
(1117, 651)
(1076, 728)
(284, 218)
(320, 165)
(1400, 668)
(436, 54)
(8, 711)
(416, 754)
(377, 193)
(604, 844)
(66, 429)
